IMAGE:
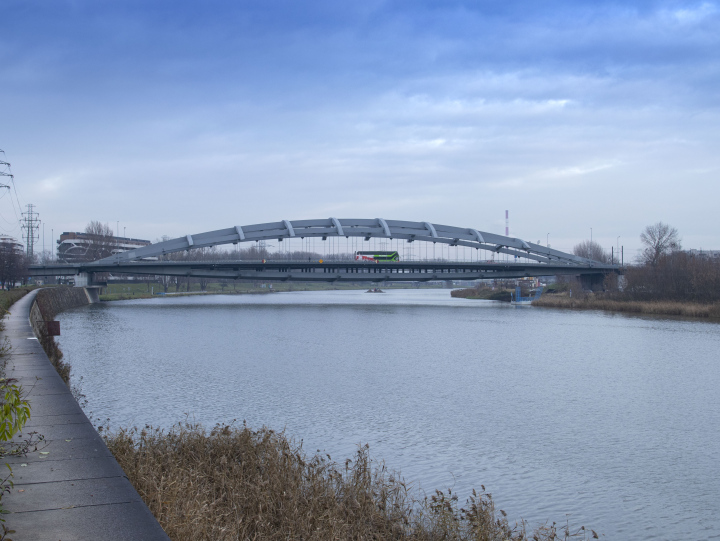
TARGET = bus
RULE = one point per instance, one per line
(377, 256)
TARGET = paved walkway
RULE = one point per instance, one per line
(77, 490)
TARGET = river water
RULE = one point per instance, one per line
(608, 420)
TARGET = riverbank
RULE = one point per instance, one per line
(8, 297)
(664, 308)
(487, 294)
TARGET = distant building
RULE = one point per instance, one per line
(73, 247)
(10, 244)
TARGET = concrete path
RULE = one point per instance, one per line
(77, 490)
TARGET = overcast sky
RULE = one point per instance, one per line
(177, 117)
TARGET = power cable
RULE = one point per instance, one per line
(8, 173)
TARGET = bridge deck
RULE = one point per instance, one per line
(327, 271)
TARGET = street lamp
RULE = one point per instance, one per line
(591, 234)
(547, 240)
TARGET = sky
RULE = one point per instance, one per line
(177, 117)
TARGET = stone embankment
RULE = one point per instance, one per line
(71, 487)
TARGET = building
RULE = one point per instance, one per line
(76, 247)
(11, 244)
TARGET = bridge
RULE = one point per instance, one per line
(523, 258)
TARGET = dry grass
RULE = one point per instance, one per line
(237, 483)
(669, 308)
(9, 296)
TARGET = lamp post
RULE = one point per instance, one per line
(547, 240)
(591, 234)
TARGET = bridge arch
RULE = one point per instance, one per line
(364, 228)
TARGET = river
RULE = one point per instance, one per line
(608, 420)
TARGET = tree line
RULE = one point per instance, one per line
(664, 271)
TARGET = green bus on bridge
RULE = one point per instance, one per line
(377, 256)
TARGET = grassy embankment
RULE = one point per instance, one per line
(9, 297)
(121, 292)
(558, 296)
(593, 301)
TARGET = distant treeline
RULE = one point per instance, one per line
(677, 276)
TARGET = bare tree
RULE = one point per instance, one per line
(659, 239)
(590, 249)
(205, 254)
(13, 265)
(165, 281)
(101, 241)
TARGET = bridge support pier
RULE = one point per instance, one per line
(83, 279)
(592, 282)
(93, 294)
(86, 280)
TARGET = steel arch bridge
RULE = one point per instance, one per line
(539, 260)
(367, 229)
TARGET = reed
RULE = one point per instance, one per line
(669, 308)
(237, 483)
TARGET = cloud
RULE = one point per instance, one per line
(693, 14)
(169, 113)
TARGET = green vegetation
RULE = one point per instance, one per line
(237, 483)
(14, 407)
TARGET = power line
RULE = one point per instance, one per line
(5, 171)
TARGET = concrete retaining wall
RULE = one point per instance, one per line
(46, 305)
(54, 300)
(49, 303)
